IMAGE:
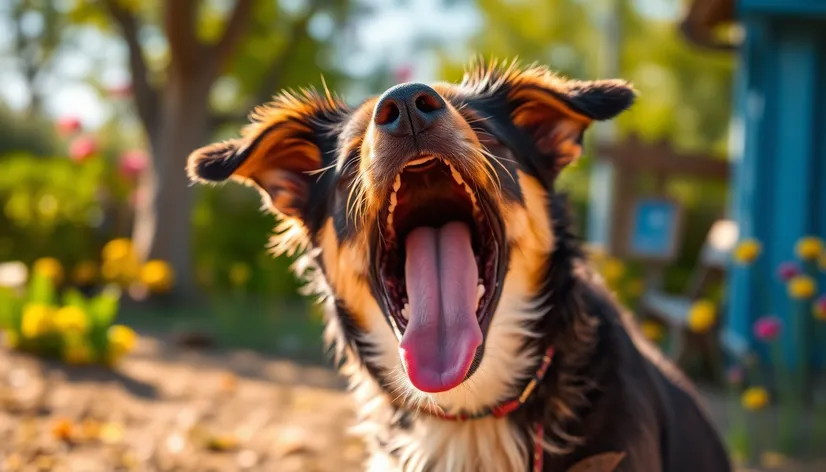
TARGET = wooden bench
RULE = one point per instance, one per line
(673, 309)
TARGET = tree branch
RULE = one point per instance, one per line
(179, 26)
(235, 27)
(146, 97)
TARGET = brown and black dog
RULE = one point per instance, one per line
(474, 333)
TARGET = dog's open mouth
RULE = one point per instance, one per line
(438, 263)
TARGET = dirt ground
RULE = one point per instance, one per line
(170, 410)
(167, 409)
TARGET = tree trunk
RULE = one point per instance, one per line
(163, 216)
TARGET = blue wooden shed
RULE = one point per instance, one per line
(778, 146)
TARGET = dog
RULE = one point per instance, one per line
(474, 332)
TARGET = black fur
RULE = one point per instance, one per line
(625, 398)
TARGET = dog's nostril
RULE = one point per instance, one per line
(427, 103)
(388, 113)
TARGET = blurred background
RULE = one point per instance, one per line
(146, 326)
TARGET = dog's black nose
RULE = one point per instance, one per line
(408, 109)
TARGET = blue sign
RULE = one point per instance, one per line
(654, 230)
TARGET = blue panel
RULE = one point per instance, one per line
(747, 196)
(801, 7)
(794, 159)
(654, 229)
(780, 178)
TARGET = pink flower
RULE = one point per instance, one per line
(788, 270)
(68, 125)
(82, 148)
(403, 73)
(133, 163)
(120, 91)
(768, 328)
(735, 375)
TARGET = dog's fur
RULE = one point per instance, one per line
(326, 171)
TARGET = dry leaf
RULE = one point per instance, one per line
(605, 462)
(62, 429)
(222, 443)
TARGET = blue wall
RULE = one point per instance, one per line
(779, 150)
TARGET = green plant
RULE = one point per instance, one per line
(69, 326)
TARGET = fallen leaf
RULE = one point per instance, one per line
(62, 429)
(221, 443)
(111, 433)
(229, 383)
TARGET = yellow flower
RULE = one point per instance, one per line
(50, 268)
(77, 353)
(37, 320)
(747, 251)
(157, 275)
(84, 273)
(71, 319)
(10, 339)
(755, 398)
(635, 287)
(613, 269)
(702, 316)
(121, 339)
(239, 274)
(801, 287)
(809, 248)
(652, 330)
(117, 250)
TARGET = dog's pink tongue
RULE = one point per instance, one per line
(442, 334)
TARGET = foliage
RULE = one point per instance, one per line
(70, 326)
(684, 94)
(777, 383)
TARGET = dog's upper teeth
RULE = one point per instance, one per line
(406, 311)
(397, 184)
(393, 201)
(420, 160)
(480, 292)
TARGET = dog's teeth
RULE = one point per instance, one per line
(418, 161)
(456, 176)
(393, 200)
(480, 292)
(397, 184)
(406, 312)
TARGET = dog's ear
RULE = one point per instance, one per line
(551, 111)
(287, 141)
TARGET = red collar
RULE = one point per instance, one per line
(510, 406)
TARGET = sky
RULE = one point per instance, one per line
(386, 37)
